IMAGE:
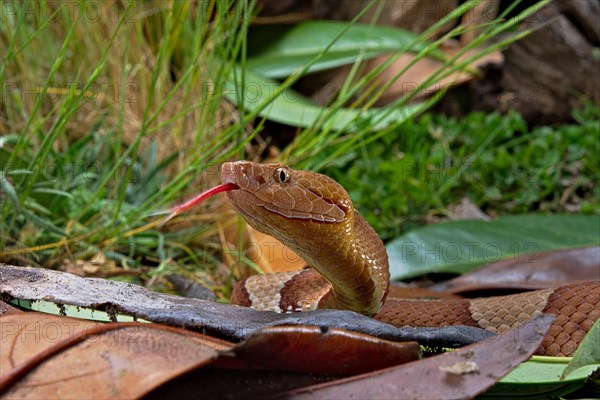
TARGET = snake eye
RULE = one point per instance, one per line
(282, 175)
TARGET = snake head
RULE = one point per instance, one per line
(280, 190)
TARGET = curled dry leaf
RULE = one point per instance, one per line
(494, 358)
(69, 357)
(424, 68)
(48, 356)
(320, 351)
(534, 270)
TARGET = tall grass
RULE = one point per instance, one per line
(112, 111)
(101, 103)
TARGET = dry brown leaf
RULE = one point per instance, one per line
(268, 253)
(6, 308)
(49, 356)
(423, 69)
(487, 361)
(466, 209)
(321, 351)
(272, 254)
(98, 266)
(530, 271)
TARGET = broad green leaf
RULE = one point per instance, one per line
(461, 246)
(540, 378)
(588, 352)
(291, 108)
(276, 51)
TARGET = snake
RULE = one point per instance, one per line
(314, 215)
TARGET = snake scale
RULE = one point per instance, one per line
(314, 216)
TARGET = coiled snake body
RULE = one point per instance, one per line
(313, 215)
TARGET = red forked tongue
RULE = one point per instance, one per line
(224, 187)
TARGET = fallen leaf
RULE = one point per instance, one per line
(49, 356)
(271, 254)
(423, 379)
(460, 368)
(466, 209)
(313, 350)
(266, 252)
(423, 69)
(462, 246)
(530, 271)
(8, 309)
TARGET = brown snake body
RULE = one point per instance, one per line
(314, 215)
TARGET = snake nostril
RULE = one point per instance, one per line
(261, 180)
